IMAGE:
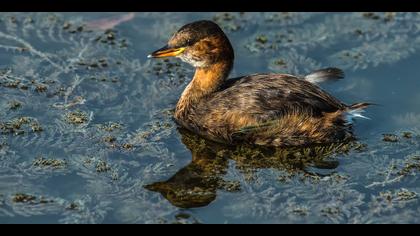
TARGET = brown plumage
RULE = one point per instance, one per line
(262, 109)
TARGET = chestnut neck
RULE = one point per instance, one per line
(207, 80)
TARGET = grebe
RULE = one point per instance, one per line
(261, 109)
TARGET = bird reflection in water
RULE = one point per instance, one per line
(196, 184)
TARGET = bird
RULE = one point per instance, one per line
(263, 109)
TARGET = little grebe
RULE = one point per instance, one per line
(262, 109)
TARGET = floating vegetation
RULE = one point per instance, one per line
(151, 131)
(370, 15)
(286, 18)
(280, 63)
(110, 37)
(302, 211)
(330, 211)
(388, 201)
(14, 105)
(30, 199)
(386, 17)
(73, 206)
(73, 28)
(20, 126)
(410, 165)
(102, 166)
(53, 163)
(94, 64)
(109, 139)
(230, 21)
(36, 127)
(76, 117)
(405, 195)
(23, 198)
(407, 134)
(105, 79)
(127, 146)
(261, 39)
(174, 73)
(390, 138)
(41, 88)
(8, 80)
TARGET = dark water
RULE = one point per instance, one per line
(87, 135)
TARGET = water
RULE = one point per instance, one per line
(87, 135)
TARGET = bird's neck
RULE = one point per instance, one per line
(206, 81)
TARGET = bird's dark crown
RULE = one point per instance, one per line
(193, 32)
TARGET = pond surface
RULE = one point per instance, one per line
(87, 136)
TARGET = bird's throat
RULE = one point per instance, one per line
(206, 81)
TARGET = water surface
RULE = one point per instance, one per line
(87, 134)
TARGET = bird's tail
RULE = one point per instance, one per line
(355, 111)
(327, 74)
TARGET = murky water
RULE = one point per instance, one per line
(87, 135)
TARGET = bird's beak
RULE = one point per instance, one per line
(166, 52)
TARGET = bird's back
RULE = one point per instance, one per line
(268, 109)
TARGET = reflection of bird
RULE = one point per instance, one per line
(196, 184)
(263, 109)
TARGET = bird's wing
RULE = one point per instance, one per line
(275, 95)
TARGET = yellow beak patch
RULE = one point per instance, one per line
(166, 52)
